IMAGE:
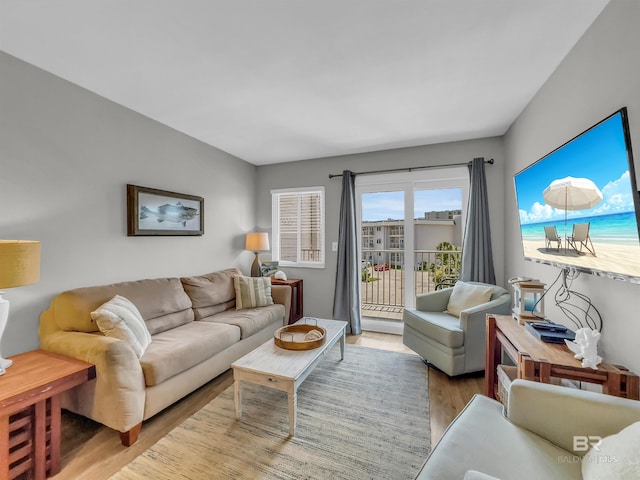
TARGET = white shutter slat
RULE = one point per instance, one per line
(300, 227)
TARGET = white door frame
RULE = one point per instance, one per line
(409, 182)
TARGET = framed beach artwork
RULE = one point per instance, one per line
(153, 212)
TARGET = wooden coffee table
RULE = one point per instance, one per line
(284, 370)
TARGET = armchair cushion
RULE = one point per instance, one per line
(476, 475)
(467, 295)
(439, 326)
(616, 456)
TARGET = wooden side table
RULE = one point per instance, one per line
(539, 361)
(30, 412)
(296, 312)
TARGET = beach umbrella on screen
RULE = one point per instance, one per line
(571, 193)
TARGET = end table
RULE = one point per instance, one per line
(539, 361)
(296, 312)
(30, 411)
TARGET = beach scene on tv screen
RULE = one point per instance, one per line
(576, 205)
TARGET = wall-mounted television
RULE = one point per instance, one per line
(579, 205)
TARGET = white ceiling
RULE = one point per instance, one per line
(279, 80)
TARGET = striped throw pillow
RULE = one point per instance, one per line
(252, 292)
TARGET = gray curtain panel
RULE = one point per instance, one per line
(477, 258)
(346, 300)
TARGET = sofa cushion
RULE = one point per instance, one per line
(211, 293)
(119, 318)
(476, 475)
(438, 326)
(252, 292)
(514, 452)
(250, 321)
(467, 295)
(615, 456)
(162, 303)
(177, 350)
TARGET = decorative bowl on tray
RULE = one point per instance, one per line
(300, 336)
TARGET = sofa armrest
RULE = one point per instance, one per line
(435, 301)
(282, 294)
(559, 413)
(116, 397)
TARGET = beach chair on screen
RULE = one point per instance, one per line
(580, 238)
(551, 236)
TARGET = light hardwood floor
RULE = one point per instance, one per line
(93, 452)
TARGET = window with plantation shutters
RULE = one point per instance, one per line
(298, 227)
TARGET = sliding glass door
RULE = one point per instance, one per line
(411, 227)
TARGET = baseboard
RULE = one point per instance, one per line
(383, 326)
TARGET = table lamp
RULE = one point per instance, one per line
(19, 265)
(257, 242)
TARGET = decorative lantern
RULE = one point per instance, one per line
(528, 300)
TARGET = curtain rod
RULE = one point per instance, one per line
(410, 169)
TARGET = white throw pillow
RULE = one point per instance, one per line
(467, 295)
(616, 456)
(119, 318)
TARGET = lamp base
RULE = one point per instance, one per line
(4, 364)
(256, 266)
(4, 315)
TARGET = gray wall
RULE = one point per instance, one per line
(66, 155)
(600, 75)
(319, 283)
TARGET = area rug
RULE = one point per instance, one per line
(366, 417)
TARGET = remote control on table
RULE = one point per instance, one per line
(553, 327)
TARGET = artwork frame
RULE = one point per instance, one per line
(268, 269)
(155, 212)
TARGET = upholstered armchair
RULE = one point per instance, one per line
(547, 432)
(448, 327)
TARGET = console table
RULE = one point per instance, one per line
(296, 312)
(30, 412)
(539, 361)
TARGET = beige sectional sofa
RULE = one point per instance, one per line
(196, 334)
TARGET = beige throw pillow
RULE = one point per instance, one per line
(119, 318)
(252, 292)
(467, 295)
(616, 456)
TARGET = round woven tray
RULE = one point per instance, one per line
(291, 337)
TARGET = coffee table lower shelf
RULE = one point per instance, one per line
(284, 370)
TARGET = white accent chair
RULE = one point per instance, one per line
(535, 438)
(454, 344)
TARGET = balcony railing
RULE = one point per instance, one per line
(310, 255)
(384, 277)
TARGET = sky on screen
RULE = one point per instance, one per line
(599, 154)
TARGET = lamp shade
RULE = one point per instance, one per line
(19, 263)
(257, 241)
